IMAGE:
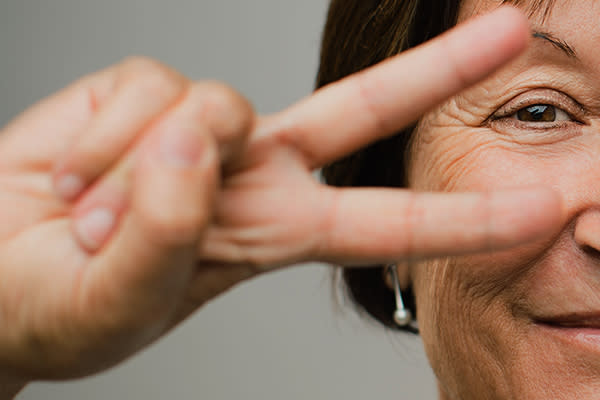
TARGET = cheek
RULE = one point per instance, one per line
(453, 157)
(475, 339)
(466, 305)
(463, 324)
(449, 157)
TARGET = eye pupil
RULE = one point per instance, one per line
(537, 113)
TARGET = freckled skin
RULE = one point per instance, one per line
(477, 313)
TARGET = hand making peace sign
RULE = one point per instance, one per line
(172, 191)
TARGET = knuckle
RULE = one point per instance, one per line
(227, 112)
(413, 215)
(144, 65)
(171, 230)
(368, 91)
(173, 226)
(456, 67)
(329, 222)
(151, 78)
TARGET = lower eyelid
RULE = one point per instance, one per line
(527, 133)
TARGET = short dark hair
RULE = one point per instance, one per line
(359, 34)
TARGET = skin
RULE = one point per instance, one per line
(190, 192)
(480, 314)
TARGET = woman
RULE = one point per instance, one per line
(168, 192)
(522, 323)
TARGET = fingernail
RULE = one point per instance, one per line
(94, 227)
(181, 149)
(69, 186)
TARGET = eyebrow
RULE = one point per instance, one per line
(556, 42)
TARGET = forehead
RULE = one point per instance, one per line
(541, 8)
(574, 22)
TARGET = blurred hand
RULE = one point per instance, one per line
(172, 191)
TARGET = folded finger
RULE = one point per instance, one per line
(227, 121)
(56, 120)
(141, 90)
(143, 272)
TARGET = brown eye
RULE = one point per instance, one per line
(541, 113)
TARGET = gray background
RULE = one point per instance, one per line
(279, 336)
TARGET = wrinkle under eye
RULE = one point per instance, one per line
(539, 116)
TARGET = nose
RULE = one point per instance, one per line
(587, 230)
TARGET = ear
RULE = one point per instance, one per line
(404, 276)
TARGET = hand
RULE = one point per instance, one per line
(176, 191)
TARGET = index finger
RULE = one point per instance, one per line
(375, 103)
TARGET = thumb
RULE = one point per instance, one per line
(141, 274)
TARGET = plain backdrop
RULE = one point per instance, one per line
(280, 336)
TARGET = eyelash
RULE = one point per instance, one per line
(506, 120)
(560, 115)
(513, 112)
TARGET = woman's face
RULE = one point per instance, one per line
(523, 323)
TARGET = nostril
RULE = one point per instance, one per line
(587, 232)
(591, 251)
